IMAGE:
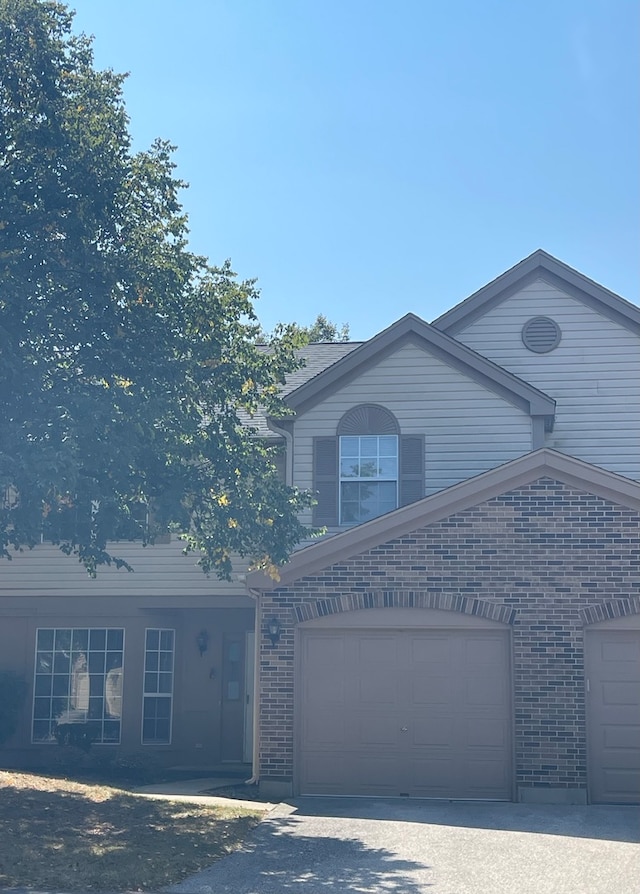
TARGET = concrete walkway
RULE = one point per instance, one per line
(198, 791)
(347, 845)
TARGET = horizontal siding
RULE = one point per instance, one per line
(159, 571)
(467, 428)
(593, 374)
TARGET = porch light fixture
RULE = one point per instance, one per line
(273, 631)
(202, 641)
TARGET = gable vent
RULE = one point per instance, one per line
(368, 419)
(541, 334)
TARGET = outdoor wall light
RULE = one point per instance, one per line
(273, 631)
(202, 641)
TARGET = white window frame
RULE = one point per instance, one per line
(155, 694)
(367, 479)
(104, 674)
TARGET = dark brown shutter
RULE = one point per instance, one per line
(411, 468)
(325, 481)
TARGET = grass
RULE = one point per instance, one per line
(70, 836)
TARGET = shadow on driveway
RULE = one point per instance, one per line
(291, 854)
(597, 821)
(353, 846)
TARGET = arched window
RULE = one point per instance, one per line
(367, 469)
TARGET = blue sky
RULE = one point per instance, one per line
(364, 159)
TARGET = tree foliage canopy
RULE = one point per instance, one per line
(125, 360)
(322, 329)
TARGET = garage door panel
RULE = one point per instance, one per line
(375, 650)
(483, 692)
(437, 731)
(483, 652)
(434, 771)
(619, 783)
(376, 687)
(619, 692)
(486, 733)
(414, 717)
(622, 736)
(430, 649)
(322, 769)
(430, 690)
(324, 728)
(373, 730)
(619, 652)
(327, 690)
(485, 778)
(328, 652)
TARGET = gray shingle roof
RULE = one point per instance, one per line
(317, 357)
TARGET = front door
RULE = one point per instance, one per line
(233, 696)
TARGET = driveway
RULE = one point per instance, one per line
(347, 845)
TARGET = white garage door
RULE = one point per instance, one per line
(613, 699)
(422, 713)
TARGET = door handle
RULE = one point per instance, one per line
(403, 729)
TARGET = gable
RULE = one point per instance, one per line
(411, 329)
(540, 266)
(468, 494)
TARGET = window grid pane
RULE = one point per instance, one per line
(74, 683)
(157, 699)
(368, 477)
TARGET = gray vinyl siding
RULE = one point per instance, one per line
(467, 428)
(159, 571)
(594, 373)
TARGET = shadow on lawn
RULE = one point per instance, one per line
(109, 841)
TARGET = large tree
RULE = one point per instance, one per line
(126, 362)
(322, 329)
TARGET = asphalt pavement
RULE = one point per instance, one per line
(344, 845)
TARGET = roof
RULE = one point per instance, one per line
(316, 358)
(543, 463)
(450, 351)
(540, 265)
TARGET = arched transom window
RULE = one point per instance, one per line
(368, 464)
(367, 469)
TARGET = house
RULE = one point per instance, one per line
(469, 627)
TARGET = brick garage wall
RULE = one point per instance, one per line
(544, 558)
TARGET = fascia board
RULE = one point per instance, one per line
(450, 351)
(540, 265)
(465, 495)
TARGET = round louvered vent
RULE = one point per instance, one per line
(541, 334)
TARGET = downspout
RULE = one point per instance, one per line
(288, 438)
(255, 757)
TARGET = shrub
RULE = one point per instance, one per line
(13, 690)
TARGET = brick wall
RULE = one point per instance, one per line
(545, 559)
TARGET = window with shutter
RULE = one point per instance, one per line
(367, 470)
(325, 481)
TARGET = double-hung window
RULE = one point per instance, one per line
(368, 468)
(368, 477)
(157, 700)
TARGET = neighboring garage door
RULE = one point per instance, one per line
(406, 712)
(613, 684)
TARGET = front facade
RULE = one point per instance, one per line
(470, 625)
